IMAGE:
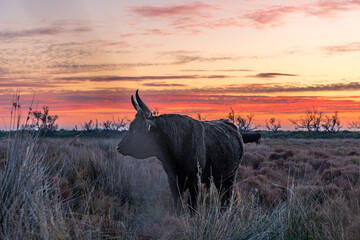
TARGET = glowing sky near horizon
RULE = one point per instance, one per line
(272, 58)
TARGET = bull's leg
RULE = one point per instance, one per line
(193, 193)
(225, 190)
(176, 185)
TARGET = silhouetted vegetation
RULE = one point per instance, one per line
(331, 123)
(273, 125)
(355, 124)
(244, 124)
(311, 121)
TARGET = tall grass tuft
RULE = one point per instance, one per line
(29, 206)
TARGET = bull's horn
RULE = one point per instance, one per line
(136, 106)
(143, 105)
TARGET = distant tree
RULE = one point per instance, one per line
(96, 125)
(246, 124)
(200, 117)
(311, 121)
(89, 126)
(107, 125)
(273, 125)
(43, 121)
(331, 123)
(118, 124)
(231, 116)
(355, 124)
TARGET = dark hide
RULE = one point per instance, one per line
(251, 137)
(186, 146)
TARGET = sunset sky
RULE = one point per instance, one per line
(272, 58)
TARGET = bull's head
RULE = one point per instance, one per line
(140, 141)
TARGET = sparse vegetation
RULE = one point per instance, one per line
(311, 121)
(331, 123)
(201, 117)
(40, 120)
(91, 126)
(273, 125)
(244, 124)
(355, 124)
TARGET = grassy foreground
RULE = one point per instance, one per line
(84, 189)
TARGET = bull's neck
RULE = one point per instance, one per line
(163, 153)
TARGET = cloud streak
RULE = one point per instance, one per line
(350, 47)
(155, 81)
(216, 70)
(139, 78)
(280, 88)
(269, 16)
(163, 84)
(273, 75)
(190, 9)
(43, 31)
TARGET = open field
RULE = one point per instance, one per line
(84, 189)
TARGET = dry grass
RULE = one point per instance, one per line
(84, 189)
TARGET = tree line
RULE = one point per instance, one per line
(312, 121)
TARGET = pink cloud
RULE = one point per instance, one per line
(270, 15)
(157, 32)
(275, 15)
(197, 16)
(329, 8)
(171, 10)
(128, 35)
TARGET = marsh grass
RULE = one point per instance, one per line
(51, 189)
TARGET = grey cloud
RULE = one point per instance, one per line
(163, 84)
(273, 75)
(51, 30)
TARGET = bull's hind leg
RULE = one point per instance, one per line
(225, 190)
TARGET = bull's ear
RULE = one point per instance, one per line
(150, 126)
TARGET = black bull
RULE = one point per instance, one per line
(187, 149)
